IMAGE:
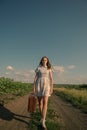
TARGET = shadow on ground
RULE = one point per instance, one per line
(6, 114)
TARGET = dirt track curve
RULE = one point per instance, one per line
(14, 115)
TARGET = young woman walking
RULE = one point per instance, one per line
(43, 86)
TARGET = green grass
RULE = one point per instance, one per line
(9, 86)
(10, 89)
(77, 97)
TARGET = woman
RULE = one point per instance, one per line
(43, 86)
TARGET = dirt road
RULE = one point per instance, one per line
(14, 115)
(72, 118)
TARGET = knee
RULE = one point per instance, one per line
(40, 103)
(45, 103)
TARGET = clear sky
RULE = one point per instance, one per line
(30, 29)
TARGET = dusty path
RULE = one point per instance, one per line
(14, 115)
(73, 118)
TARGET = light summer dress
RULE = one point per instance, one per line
(43, 81)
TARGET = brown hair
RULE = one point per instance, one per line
(48, 62)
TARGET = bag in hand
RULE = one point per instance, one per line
(32, 103)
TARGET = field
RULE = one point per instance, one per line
(61, 115)
(77, 95)
(9, 89)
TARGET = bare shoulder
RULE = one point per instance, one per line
(50, 70)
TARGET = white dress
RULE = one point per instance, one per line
(43, 81)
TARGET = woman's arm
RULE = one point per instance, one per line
(51, 81)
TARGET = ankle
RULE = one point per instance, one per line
(43, 123)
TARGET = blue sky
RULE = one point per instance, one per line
(30, 29)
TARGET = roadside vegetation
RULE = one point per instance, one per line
(10, 89)
(76, 94)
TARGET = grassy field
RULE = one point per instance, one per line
(76, 95)
(16, 88)
(10, 89)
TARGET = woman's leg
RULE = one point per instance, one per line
(45, 104)
(44, 110)
(40, 100)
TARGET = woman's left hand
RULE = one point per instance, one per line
(51, 91)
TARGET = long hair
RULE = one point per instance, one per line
(49, 66)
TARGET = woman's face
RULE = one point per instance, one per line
(44, 60)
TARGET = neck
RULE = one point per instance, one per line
(44, 65)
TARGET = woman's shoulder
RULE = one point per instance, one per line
(37, 69)
(50, 70)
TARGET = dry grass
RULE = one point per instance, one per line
(75, 96)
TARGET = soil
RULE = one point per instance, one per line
(71, 117)
(14, 115)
